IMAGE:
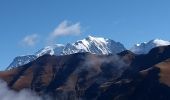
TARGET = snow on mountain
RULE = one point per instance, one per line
(56, 49)
(21, 60)
(145, 47)
(95, 45)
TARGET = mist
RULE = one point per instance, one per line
(8, 94)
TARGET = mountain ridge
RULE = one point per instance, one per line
(95, 45)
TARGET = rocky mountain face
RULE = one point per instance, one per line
(87, 76)
(94, 45)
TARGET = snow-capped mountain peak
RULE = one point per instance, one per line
(96, 45)
(145, 47)
(21, 60)
(99, 39)
(99, 45)
(52, 50)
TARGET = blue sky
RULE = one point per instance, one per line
(27, 25)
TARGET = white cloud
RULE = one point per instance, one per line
(7, 94)
(66, 28)
(30, 40)
(63, 29)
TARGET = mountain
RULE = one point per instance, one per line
(95, 45)
(68, 76)
(87, 76)
(21, 60)
(145, 47)
(146, 79)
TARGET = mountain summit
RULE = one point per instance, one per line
(145, 47)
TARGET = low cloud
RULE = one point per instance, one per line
(30, 40)
(95, 65)
(7, 94)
